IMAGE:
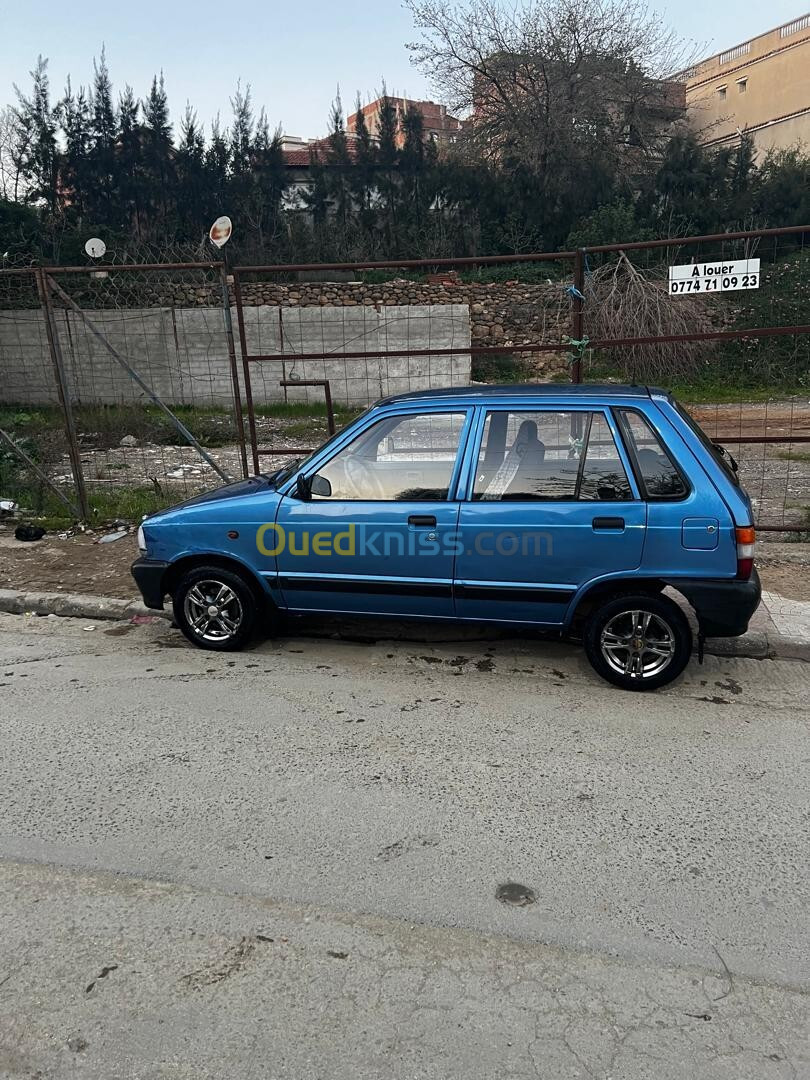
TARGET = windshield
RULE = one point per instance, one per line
(284, 473)
(717, 452)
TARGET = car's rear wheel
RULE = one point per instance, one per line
(638, 641)
(215, 608)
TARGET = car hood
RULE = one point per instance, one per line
(251, 486)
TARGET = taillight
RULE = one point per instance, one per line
(746, 538)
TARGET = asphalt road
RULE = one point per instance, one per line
(284, 863)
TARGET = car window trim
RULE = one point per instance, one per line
(478, 437)
(627, 439)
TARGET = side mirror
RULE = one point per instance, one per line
(319, 485)
(303, 490)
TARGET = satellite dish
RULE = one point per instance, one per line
(95, 248)
(220, 232)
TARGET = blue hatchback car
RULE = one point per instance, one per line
(568, 508)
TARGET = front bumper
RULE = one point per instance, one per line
(149, 575)
(723, 608)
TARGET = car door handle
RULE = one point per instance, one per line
(425, 521)
(607, 523)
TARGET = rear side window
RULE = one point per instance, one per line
(659, 475)
(546, 455)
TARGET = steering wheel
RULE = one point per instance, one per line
(363, 478)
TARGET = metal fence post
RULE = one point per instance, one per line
(63, 392)
(577, 319)
(237, 393)
(240, 318)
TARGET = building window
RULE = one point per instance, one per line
(742, 85)
(721, 92)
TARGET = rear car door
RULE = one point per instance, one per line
(550, 504)
(381, 537)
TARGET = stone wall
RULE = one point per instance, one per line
(501, 314)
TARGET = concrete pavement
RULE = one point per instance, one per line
(165, 810)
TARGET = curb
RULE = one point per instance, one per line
(73, 605)
(755, 645)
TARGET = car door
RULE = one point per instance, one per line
(550, 504)
(378, 534)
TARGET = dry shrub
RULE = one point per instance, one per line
(622, 301)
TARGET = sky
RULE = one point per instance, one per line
(293, 55)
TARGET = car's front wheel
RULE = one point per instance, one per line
(215, 608)
(638, 642)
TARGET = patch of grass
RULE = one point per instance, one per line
(112, 504)
(711, 393)
(291, 409)
(794, 455)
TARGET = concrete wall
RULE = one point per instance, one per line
(181, 352)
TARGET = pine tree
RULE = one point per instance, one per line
(158, 155)
(75, 175)
(100, 196)
(388, 181)
(217, 159)
(192, 194)
(241, 130)
(363, 177)
(129, 171)
(35, 124)
(338, 177)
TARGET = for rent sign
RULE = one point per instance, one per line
(714, 277)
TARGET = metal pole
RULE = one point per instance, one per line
(240, 319)
(6, 438)
(237, 393)
(577, 321)
(133, 374)
(63, 392)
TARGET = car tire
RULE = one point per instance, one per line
(216, 609)
(638, 641)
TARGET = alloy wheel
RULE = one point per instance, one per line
(213, 611)
(638, 644)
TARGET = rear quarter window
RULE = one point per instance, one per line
(656, 470)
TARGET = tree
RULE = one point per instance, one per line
(12, 184)
(100, 196)
(193, 195)
(339, 182)
(565, 96)
(34, 135)
(158, 157)
(76, 169)
(130, 178)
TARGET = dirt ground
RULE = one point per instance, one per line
(81, 564)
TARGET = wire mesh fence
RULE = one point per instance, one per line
(735, 346)
(126, 375)
(375, 330)
(130, 386)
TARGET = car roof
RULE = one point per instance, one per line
(477, 395)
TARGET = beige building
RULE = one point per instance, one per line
(761, 86)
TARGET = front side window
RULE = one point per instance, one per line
(400, 458)
(535, 456)
(659, 474)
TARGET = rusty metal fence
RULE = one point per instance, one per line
(119, 386)
(124, 387)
